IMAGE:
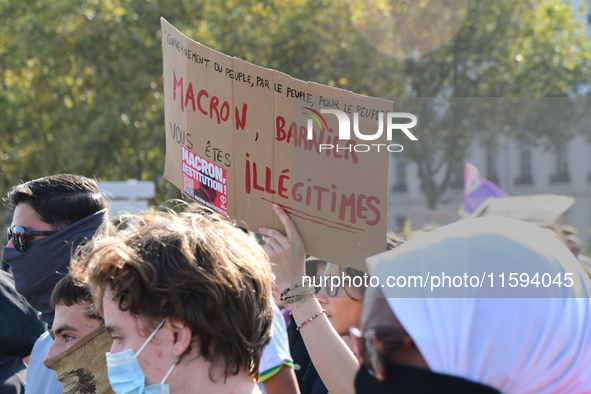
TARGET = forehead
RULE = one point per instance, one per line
(24, 215)
(71, 315)
(116, 319)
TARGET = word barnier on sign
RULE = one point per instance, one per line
(345, 124)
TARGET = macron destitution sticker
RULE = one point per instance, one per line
(204, 181)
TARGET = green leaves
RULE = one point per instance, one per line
(82, 89)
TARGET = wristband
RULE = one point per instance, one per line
(284, 295)
(296, 298)
(299, 327)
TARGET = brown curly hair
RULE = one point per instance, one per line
(192, 266)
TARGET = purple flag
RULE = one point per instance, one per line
(477, 189)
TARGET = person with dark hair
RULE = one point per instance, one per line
(186, 298)
(52, 216)
(74, 315)
(58, 200)
(19, 329)
(77, 354)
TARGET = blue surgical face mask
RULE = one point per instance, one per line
(126, 375)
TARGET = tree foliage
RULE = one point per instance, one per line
(506, 48)
(81, 87)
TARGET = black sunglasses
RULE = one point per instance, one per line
(19, 235)
(372, 346)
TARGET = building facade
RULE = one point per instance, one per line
(517, 167)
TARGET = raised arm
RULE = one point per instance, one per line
(332, 358)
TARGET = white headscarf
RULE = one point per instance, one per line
(513, 344)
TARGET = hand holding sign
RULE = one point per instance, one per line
(287, 253)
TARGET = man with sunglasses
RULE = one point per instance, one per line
(52, 216)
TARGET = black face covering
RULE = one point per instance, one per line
(46, 261)
(402, 379)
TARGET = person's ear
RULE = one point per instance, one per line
(182, 337)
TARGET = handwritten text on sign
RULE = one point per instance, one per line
(237, 141)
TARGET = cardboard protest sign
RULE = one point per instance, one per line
(240, 137)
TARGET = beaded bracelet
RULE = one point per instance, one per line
(301, 284)
(299, 327)
(284, 292)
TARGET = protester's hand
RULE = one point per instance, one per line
(287, 253)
